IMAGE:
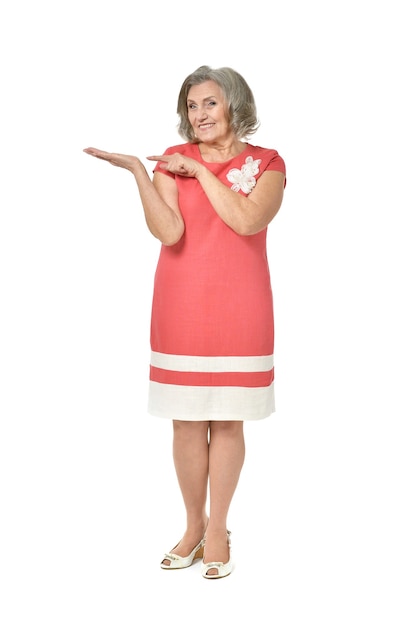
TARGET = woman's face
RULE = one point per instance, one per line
(207, 112)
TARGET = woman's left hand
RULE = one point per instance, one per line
(178, 164)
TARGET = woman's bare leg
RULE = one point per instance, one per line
(226, 457)
(190, 452)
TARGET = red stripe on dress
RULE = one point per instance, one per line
(212, 379)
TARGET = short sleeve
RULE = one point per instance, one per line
(277, 164)
(158, 167)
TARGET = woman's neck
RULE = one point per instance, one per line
(217, 153)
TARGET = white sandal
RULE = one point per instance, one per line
(223, 569)
(179, 562)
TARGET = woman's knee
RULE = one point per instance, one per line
(227, 428)
(190, 429)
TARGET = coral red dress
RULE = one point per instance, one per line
(212, 323)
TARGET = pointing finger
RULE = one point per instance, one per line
(158, 158)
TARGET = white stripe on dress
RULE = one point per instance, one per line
(208, 403)
(185, 363)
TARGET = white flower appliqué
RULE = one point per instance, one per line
(244, 178)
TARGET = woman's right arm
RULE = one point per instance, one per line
(160, 204)
(159, 197)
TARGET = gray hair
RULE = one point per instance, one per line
(243, 118)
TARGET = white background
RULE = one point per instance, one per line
(324, 517)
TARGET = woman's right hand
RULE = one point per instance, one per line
(126, 161)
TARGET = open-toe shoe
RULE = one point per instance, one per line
(222, 569)
(179, 562)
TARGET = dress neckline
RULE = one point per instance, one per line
(200, 156)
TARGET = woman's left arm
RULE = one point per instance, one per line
(246, 215)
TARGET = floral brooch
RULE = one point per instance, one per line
(244, 178)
